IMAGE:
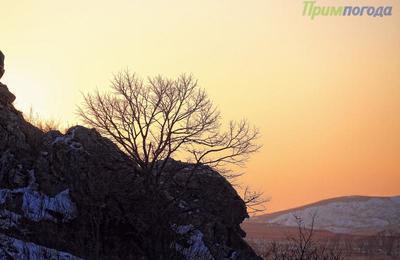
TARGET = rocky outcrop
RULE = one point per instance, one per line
(76, 195)
(6, 97)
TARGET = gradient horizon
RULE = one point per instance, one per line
(325, 93)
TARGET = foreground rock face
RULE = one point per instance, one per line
(78, 196)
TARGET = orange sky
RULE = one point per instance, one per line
(324, 93)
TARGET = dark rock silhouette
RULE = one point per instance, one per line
(6, 97)
(1, 64)
(78, 196)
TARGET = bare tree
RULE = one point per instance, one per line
(255, 201)
(302, 246)
(160, 119)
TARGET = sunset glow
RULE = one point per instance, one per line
(325, 93)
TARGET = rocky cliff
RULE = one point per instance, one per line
(76, 195)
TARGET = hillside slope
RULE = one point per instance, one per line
(354, 214)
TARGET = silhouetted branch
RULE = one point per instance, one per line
(161, 118)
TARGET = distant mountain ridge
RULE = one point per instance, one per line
(348, 215)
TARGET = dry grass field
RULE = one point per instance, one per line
(358, 247)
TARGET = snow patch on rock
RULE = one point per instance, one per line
(37, 206)
(18, 249)
(197, 249)
(9, 219)
(68, 139)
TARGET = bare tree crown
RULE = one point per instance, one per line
(156, 119)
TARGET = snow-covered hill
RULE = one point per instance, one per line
(355, 214)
